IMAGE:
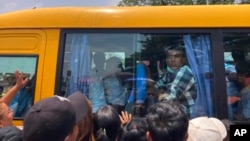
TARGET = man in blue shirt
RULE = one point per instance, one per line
(115, 93)
(177, 80)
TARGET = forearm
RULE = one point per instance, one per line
(11, 93)
(20, 83)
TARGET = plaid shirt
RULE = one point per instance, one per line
(179, 86)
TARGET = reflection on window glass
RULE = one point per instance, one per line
(134, 71)
(237, 67)
(23, 100)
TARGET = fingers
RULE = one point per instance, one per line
(125, 117)
(20, 82)
(17, 74)
(121, 119)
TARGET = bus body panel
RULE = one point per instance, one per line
(198, 16)
(50, 61)
(29, 42)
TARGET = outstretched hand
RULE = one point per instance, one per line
(20, 81)
(125, 117)
(11, 93)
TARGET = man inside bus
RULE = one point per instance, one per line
(96, 90)
(115, 93)
(242, 111)
(177, 81)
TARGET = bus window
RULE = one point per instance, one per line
(137, 61)
(237, 67)
(23, 100)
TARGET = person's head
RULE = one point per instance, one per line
(175, 57)
(30, 86)
(167, 121)
(106, 123)
(113, 64)
(206, 129)
(99, 60)
(6, 115)
(53, 119)
(238, 55)
(134, 130)
(243, 74)
(85, 123)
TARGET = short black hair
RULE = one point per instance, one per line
(177, 48)
(134, 130)
(243, 68)
(238, 55)
(167, 121)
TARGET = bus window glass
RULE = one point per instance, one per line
(133, 71)
(237, 67)
(23, 100)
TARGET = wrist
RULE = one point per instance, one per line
(16, 87)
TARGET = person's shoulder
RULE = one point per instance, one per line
(245, 91)
(10, 133)
(186, 68)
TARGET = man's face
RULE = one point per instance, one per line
(112, 67)
(175, 59)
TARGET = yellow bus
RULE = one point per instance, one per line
(57, 46)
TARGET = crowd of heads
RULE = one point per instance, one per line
(72, 119)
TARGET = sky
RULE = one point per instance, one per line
(14, 5)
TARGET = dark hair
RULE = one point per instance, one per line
(99, 59)
(85, 125)
(241, 65)
(243, 68)
(106, 123)
(30, 86)
(134, 130)
(99, 56)
(238, 55)
(177, 48)
(167, 121)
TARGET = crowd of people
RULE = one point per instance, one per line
(135, 91)
(94, 118)
(71, 119)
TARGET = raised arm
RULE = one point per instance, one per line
(20, 83)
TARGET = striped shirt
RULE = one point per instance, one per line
(179, 86)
